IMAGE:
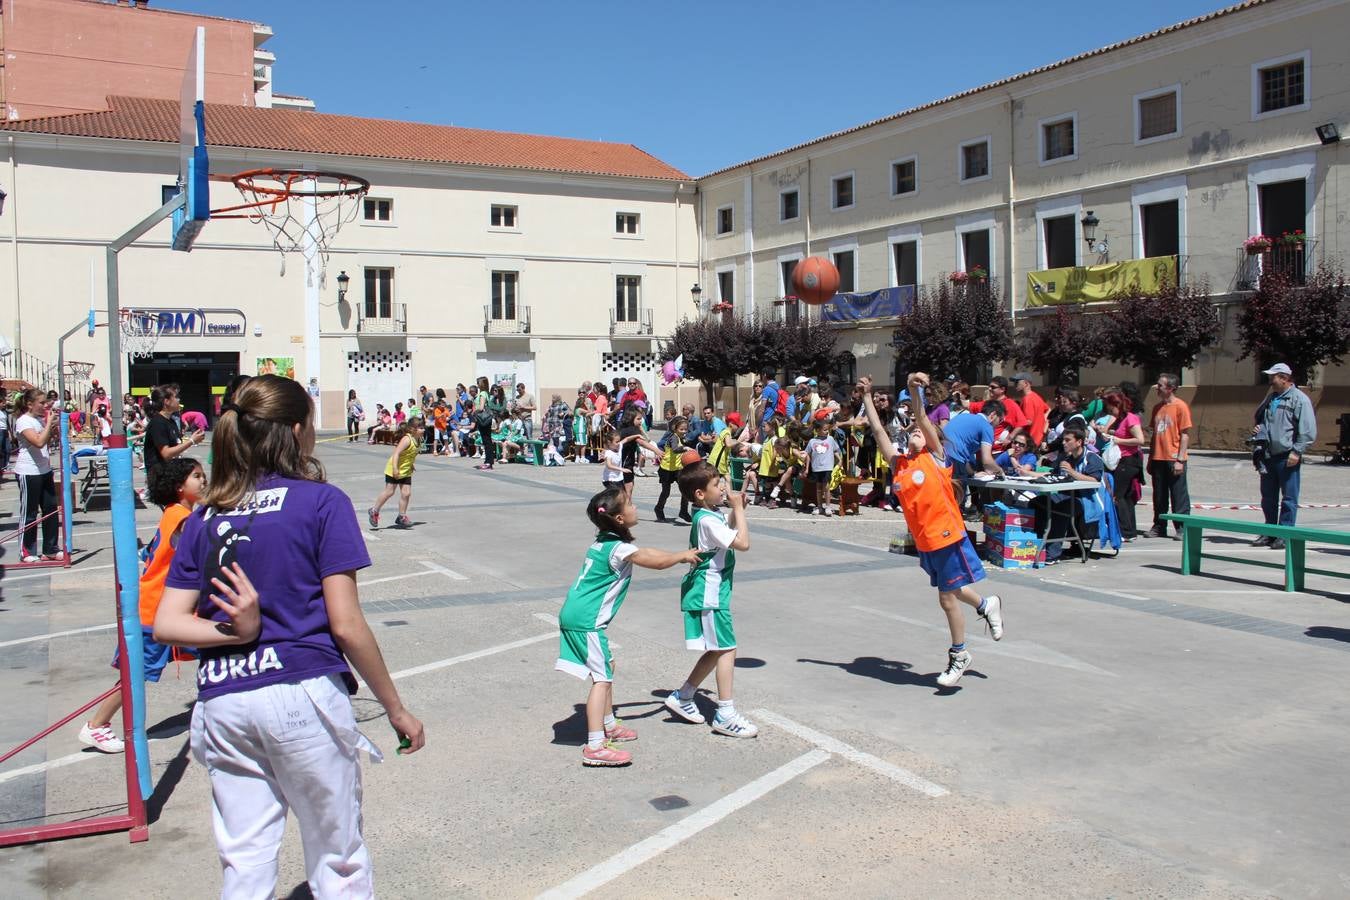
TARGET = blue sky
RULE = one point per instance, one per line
(700, 85)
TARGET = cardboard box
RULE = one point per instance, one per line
(1002, 517)
(1018, 550)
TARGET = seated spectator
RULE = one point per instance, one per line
(1018, 459)
(381, 421)
(511, 435)
(557, 424)
(1073, 460)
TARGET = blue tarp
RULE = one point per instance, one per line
(885, 303)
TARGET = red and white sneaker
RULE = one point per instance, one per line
(605, 755)
(620, 732)
(101, 738)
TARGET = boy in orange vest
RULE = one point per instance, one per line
(922, 481)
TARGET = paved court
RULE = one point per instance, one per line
(1135, 733)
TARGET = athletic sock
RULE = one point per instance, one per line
(980, 609)
(957, 648)
(687, 691)
(610, 721)
(726, 709)
(595, 739)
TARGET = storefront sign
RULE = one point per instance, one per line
(1096, 284)
(887, 303)
(196, 322)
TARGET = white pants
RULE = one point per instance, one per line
(280, 747)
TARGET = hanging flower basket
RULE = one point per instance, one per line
(959, 277)
(1257, 244)
(978, 274)
(722, 307)
(1294, 238)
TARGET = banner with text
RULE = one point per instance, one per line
(886, 303)
(1097, 284)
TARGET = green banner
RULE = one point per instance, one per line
(1098, 284)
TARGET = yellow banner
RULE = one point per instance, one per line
(1096, 284)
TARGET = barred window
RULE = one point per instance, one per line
(1158, 115)
(1282, 86)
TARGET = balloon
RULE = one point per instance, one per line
(673, 370)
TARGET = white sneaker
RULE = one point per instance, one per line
(735, 726)
(685, 709)
(30, 559)
(957, 663)
(101, 738)
(993, 616)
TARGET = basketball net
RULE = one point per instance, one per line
(139, 331)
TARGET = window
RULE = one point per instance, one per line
(904, 177)
(1161, 224)
(379, 293)
(626, 293)
(374, 209)
(841, 191)
(791, 308)
(844, 262)
(1282, 86)
(1061, 242)
(1156, 116)
(788, 208)
(503, 216)
(975, 249)
(1057, 140)
(975, 160)
(504, 292)
(726, 287)
(906, 263)
(626, 223)
(724, 220)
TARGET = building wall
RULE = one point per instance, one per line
(64, 56)
(1213, 166)
(439, 244)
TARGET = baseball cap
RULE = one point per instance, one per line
(801, 379)
(734, 419)
(811, 381)
(1278, 369)
(1022, 376)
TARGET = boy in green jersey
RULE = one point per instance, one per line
(705, 598)
(591, 604)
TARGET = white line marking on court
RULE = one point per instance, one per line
(863, 546)
(1224, 591)
(62, 761)
(1024, 650)
(543, 617)
(626, 860)
(57, 634)
(390, 578)
(370, 537)
(852, 754)
(448, 573)
(1088, 587)
(477, 654)
(80, 532)
(52, 573)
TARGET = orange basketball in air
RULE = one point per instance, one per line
(689, 457)
(816, 280)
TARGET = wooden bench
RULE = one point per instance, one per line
(385, 437)
(1295, 537)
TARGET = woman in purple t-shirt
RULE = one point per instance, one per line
(273, 723)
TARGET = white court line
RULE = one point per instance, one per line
(370, 537)
(852, 754)
(82, 533)
(1089, 587)
(61, 762)
(57, 634)
(52, 573)
(390, 578)
(477, 654)
(626, 860)
(448, 573)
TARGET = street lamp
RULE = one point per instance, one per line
(696, 294)
(1090, 223)
(343, 280)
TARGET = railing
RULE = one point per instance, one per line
(392, 324)
(20, 365)
(518, 324)
(789, 310)
(1289, 260)
(641, 325)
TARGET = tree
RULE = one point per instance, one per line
(1304, 326)
(1059, 346)
(1162, 330)
(958, 328)
(713, 350)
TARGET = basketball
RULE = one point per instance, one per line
(689, 457)
(816, 280)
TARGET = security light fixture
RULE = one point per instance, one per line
(1328, 133)
(343, 280)
(1090, 223)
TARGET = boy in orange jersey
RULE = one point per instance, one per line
(177, 485)
(923, 483)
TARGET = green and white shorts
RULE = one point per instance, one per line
(709, 629)
(585, 654)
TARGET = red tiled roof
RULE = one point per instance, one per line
(301, 131)
(1207, 17)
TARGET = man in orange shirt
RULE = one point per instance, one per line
(1171, 427)
(923, 483)
(1014, 420)
(1037, 411)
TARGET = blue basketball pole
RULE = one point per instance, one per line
(67, 486)
(129, 595)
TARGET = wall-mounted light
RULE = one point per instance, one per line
(1328, 133)
(1090, 223)
(696, 294)
(343, 280)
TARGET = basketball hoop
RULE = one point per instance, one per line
(303, 210)
(140, 332)
(80, 371)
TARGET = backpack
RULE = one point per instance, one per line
(780, 406)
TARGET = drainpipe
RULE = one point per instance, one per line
(675, 293)
(14, 242)
(1012, 223)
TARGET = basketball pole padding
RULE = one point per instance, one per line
(129, 594)
(67, 486)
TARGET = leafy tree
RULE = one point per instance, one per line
(1059, 346)
(959, 328)
(1163, 330)
(713, 350)
(1304, 326)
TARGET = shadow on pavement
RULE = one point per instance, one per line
(892, 672)
(571, 731)
(1328, 633)
(1274, 583)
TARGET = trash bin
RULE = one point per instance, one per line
(738, 472)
